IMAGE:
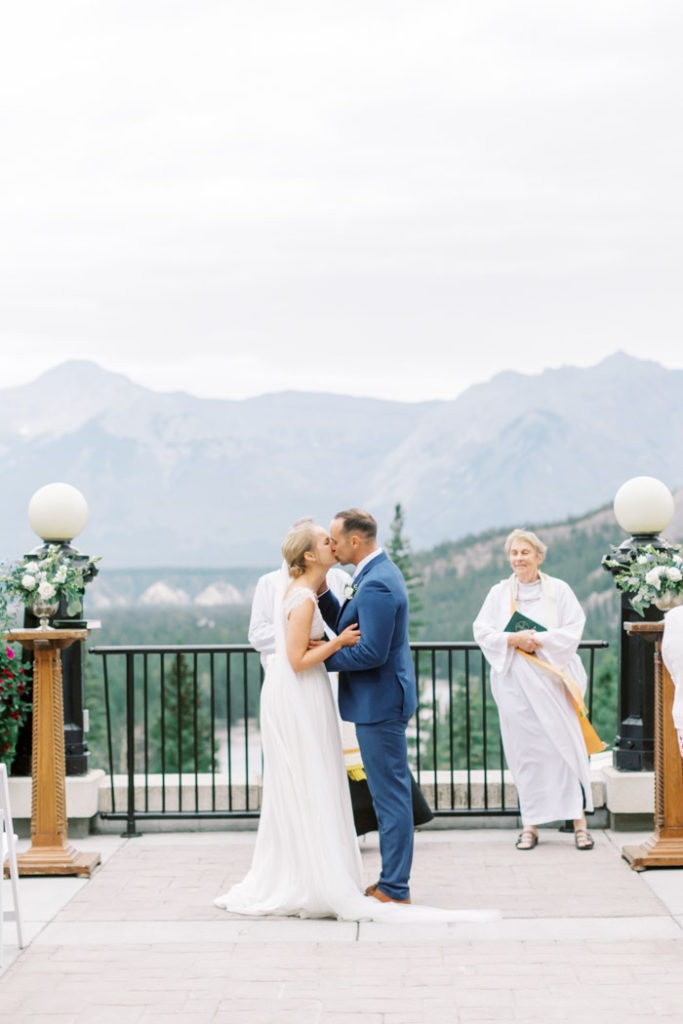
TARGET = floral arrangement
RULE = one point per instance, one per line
(49, 576)
(14, 701)
(653, 576)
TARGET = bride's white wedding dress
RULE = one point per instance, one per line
(306, 860)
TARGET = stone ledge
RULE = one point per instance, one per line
(627, 797)
(629, 792)
(82, 794)
(82, 797)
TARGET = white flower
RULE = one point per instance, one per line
(349, 590)
(674, 574)
(652, 577)
(60, 575)
(642, 559)
(28, 582)
(46, 591)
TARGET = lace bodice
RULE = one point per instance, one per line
(297, 596)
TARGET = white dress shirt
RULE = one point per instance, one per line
(364, 561)
(262, 626)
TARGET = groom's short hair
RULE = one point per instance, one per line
(355, 520)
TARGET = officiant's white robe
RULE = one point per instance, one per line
(542, 738)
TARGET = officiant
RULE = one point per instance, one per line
(529, 629)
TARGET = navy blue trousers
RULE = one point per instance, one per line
(385, 759)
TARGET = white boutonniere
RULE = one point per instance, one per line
(350, 590)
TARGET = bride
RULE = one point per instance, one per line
(306, 859)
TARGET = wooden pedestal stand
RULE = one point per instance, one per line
(50, 852)
(664, 849)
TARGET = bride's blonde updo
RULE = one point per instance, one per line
(300, 539)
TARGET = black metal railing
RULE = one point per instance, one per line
(180, 737)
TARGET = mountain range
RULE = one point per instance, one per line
(175, 480)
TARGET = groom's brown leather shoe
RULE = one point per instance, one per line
(370, 891)
(382, 896)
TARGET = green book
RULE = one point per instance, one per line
(519, 622)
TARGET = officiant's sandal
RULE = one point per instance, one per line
(527, 839)
(583, 840)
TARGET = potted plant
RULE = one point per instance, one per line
(654, 576)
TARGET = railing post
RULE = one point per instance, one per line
(131, 830)
(454, 756)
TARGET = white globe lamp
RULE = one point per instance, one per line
(643, 506)
(58, 513)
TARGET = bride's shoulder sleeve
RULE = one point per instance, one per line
(297, 596)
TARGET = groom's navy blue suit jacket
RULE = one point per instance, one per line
(376, 677)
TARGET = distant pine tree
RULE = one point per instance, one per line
(186, 724)
(93, 688)
(398, 549)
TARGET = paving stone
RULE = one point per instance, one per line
(141, 942)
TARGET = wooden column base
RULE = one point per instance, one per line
(664, 849)
(57, 860)
(656, 852)
(50, 852)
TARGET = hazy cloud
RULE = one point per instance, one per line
(391, 198)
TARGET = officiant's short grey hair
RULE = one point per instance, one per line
(529, 535)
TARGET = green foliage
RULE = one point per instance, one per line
(649, 576)
(398, 549)
(458, 576)
(464, 721)
(236, 685)
(450, 582)
(181, 736)
(50, 575)
(15, 701)
(93, 693)
(605, 714)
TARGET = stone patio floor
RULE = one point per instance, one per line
(582, 938)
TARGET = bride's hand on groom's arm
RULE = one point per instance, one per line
(350, 636)
(301, 651)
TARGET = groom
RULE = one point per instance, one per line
(377, 688)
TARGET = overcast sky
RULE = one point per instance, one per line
(393, 198)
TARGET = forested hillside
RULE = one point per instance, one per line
(458, 575)
(455, 579)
